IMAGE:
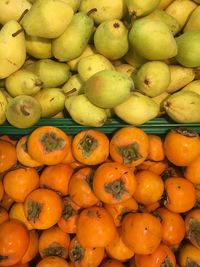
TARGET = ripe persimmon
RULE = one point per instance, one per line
(141, 232)
(112, 263)
(43, 208)
(52, 261)
(156, 167)
(69, 158)
(192, 223)
(48, 145)
(156, 150)
(90, 147)
(56, 178)
(6, 201)
(1, 190)
(189, 255)
(8, 155)
(8, 139)
(114, 182)
(130, 146)
(191, 172)
(32, 249)
(3, 215)
(181, 146)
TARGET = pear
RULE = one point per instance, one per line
(108, 88)
(104, 9)
(181, 10)
(138, 109)
(12, 48)
(111, 39)
(138, 8)
(183, 107)
(12, 9)
(59, 115)
(160, 100)
(90, 65)
(89, 50)
(73, 85)
(152, 78)
(74, 40)
(84, 112)
(188, 49)
(6, 94)
(38, 47)
(23, 82)
(134, 58)
(73, 3)
(51, 72)
(52, 101)
(193, 23)
(164, 4)
(2, 83)
(170, 21)
(125, 68)
(23, 111)
(180, 77)
(47, 19)
(193, 86)
(3, 105)
(152, 39)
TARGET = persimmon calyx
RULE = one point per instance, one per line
(166, 262)
(51, 142)
(191, 263)
(67, 211)
(186, 132)
(129, 153)
(34, 210)
(77, 252)
(194, 231)
(116, 188)
(55, 249)
(87, 144)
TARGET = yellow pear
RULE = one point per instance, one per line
(125, 68)
(73, 3)
(3, 104)
(193, 24)
(193, 86)
(38, 47)
(73, 85)
(164, 4)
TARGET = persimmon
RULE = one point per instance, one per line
(95, 227)
(181, 146)
(21, 265)
(52, 261)
(161, 257)
(156, 150)
(180, 194)
(150, 207)
(1, 190)
(130, 146)
(8, 139)
(22, 154)
(150, 187)
(14, 241)
(197, 193)
(6, 201)
(116, 249)
(69, 217)
(8, 155)
(189, 256)
(43, 208)
(3, 215)
(112, 263)
(76, 165)
(69, 158)
(48, 145)
(20, 182)
(156, 167)
(191, 172)
(192, 223)
(114, 182)
(17, 212)
(80, 188)
(81, 256)
(173, 226)
(32, 249)
(141, 232)
(56, 178)
(90, 147)
(119, 210)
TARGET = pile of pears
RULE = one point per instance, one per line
(93, 59)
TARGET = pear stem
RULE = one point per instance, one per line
(92, 11)
(22, 15)
(17, 32)
(70, 92)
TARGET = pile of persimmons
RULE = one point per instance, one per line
(130, 199)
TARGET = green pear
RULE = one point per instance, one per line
(73, 85)
(38, 47)
(90, 65)
(134, 58)
(73, 3)
(12, 9)
(3, 105)
(125, 68)
(193, 23)
(170, 21)
(23, 82)
(138, 8)
(183, 107)
(152, 39)
(188, 49)
(47, 19)
(52, 101)
(84, 112)
(104, 9)
(23, 111)
(111, 39)
(152, 78)
(51, 72)
(12, 48)
(138, 109)
(89, 50)
(193, 86)
(181, 10)
(180, 77)
(164, 4)
(74, 40)
(108, 88)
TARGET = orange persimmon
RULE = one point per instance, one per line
(8, 155)
(156, 151)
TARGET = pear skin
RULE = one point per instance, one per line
(38, 47)
(83, 112)
(12, 48)
(73, 3)
(139, 9)
(73, 85)
(160, 100)
(193, 86)
(133, 58)
(125, 68)
(164, 4)
(3, 105)
(59, 115)
(47, 19)
(193, 24)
